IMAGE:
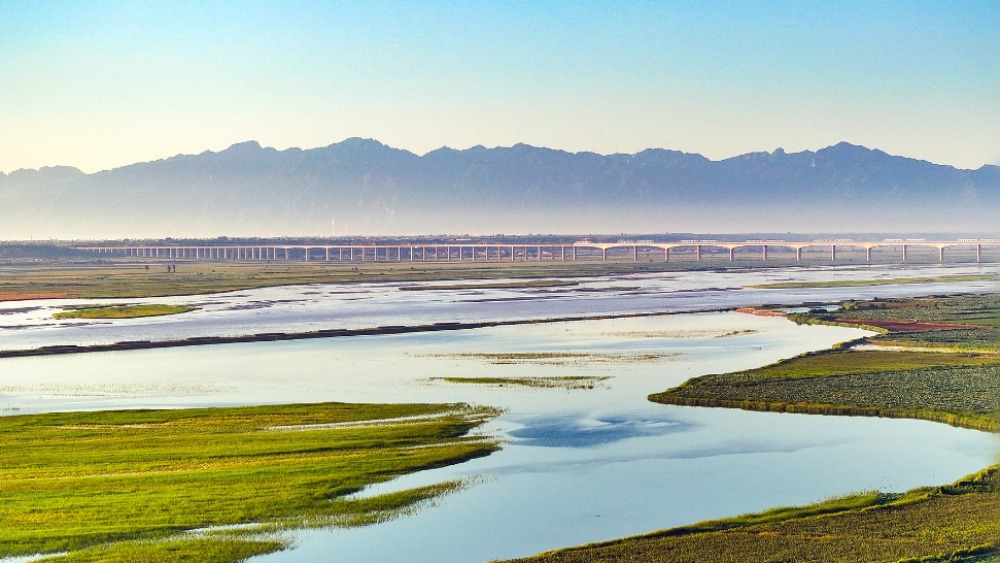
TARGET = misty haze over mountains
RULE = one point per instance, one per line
(368, 188)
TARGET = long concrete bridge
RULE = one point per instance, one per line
(887, 250)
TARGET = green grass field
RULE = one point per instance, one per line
(128, 482)
(123, 311)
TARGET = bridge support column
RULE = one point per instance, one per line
(763, 253)
(798, 254)
(666, 254)
(732, 254)
(979, 253)
(635, 253)
(941, 254)
(574, 254)
(904, 253)
(604, 255)
(868, 254)
(833, 252)
(697, 252)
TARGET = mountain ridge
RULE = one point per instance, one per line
(378, 189)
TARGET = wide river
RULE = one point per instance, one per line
(577, 465)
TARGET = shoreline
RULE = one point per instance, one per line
(838, 529)
(62, 349)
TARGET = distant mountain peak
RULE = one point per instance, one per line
(245, 146)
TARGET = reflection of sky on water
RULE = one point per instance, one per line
(577, 465)
(570, 431)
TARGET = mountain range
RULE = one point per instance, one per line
(363, 187)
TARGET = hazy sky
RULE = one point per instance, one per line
(99, 84)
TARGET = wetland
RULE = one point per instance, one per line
(607, 462)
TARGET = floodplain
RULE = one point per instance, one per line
(569, 446)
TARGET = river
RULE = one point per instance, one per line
(577, 465)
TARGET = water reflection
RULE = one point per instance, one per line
(569, 431)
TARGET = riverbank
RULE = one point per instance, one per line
(92, 280)
(154, 485)
(131, 279)
(954, 522)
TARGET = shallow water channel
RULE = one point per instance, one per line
(577, 465)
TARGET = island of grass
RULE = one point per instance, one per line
(871, 283)
(570, 382)
(554, 358)
(514, 284)
(139, 485)
(947, 367)
(122, 311)
(947, 370)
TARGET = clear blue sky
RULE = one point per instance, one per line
(99, 84)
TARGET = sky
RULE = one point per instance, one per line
(98, 84)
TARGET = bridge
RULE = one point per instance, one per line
(888, 250)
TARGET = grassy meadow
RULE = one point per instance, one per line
(133, 485)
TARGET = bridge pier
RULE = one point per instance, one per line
(697, 252)
(763, 253)
(979, 253)
(833, 252)
(732, 254)
(941, 254)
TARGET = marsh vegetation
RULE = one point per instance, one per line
(951, 523)
(123, 311)
(870, 283)
(949, 375)
(109, 485)
(569, 382)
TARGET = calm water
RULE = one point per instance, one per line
(577, 466)
(29, 324)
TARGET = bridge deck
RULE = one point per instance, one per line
(492, 252)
